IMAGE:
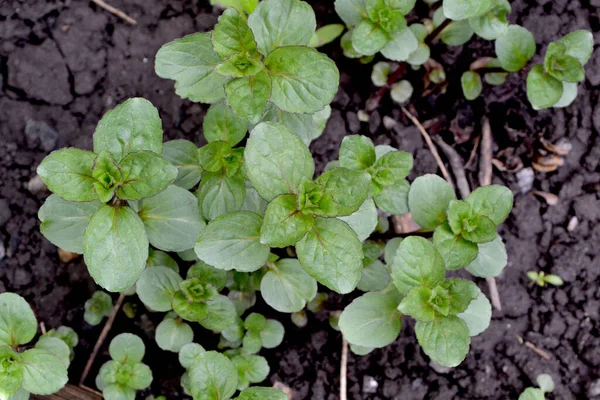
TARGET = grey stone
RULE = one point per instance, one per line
(39, 133)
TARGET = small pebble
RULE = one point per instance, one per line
(438, 368)
(573, 224)
(594, 388)
(525, 177)
(389, 123)
(363, 116)
(370, 385)
(36, 186)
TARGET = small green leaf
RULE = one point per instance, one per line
(56, 347)
(219, 194)
(352, 12)
(127, 348)
(251, 343)
(66, 334)
(18, 324)
(515, 48)
(221, 314)
(379, 77)
(158, 258)
(494, 201)
(189, 353)
(222, 124)
(357, 153)
(392, 168)
(272, 334)
(145, 174)
(130, 127)
(68, 174)
(190, 311)
(463, 9)
(461, 293)
(326, 34)
(428, 200)
(360, 350)
(100, 305)
(445, 340)
(332, 254)
(532, 394)
(117, 391)
(183, 154)
(371, 320)
(279, 23)
(115, 247)
(394, 198)
(478, 315)
(248, 96)
(579, 44)
(417, 263)
(213, 377)
(157, 286)
(471, 85)
(491, 259)
(232, 241)
(287, 287)
(43, 372)
(107, 176)
(554, 280)
(64, 222)
(251, 369)
(308, 127)
(471, 225)
(543, 90)
(545, 382)
(141, 377)
(253, 202)
(454, 249)
(260, 393)
(190, 62)
(401, 46)
(364, 220)
(347, 47)
(344, 191)
(374, 277)
(368, 38)
(172, 219)
(208, 274)
(11, 376)
(570, 92)
(420, 56)
(303, 80)
(564, 68)
(391, 248)
(173, 334)
(255, 322)
(456, 33)
(402, 91)
(232, 35)
(494, 23)
(417, 304)
(268, 153)
(284, 224)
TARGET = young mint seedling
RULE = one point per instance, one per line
(545, 385)
(542, 279)
(121, 377)
(98, 307)
(40, 370)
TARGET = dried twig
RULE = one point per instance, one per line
(473, 152)
(43, 328)
(430, 145)
(537, 350)
(102, 338)
(343, 370)
(115, 11)
(456, 163)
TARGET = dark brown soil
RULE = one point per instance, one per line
(64, 63)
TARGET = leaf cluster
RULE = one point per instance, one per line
(545, 385)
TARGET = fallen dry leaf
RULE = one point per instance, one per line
(66, 256)
(550, 198)
(404, 224)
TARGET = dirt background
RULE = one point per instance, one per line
(64, 63)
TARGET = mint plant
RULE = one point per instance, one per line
(545, 385)
(542, 279)
(125, 374)
(112, 203)
(41, 369)
(100, 305)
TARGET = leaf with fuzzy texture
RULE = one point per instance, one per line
(183, 154)
(287, 287)
(18, 324)
(68, 174)
(445, 339)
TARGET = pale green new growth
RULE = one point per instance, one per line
(98, 307)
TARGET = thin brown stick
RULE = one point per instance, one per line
(537, 350)
(431, 146)
(473, 152)
(494, 294)
(115, 11)
(102, 338)
(344, 370)
(456, 163)
(43, 328)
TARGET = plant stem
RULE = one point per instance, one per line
(102, 338)
(375, 100)
(344, 370)
(115, 11)
(436, 32)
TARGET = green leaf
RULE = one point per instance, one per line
(445, 340)
(391, 248)
(208, 274)
(371, 320)
(374, 277)
(232, 241)
(418, 305)
(454, 249)
(107, 176)
(56, 347)
(115, 247)
(68, 174)
(545, 382)
(100, 305)
(543, 90)
(392, 167)
(357, 153)
(417, 263)
(515, 48)
(326, 34)
(130, 127)
(127, 348)
(491, 259)
(394, 198)
(222, 124)
(248, 96)
(11, 376)
(173, 334)
(360, 350)
(269, 153)
(532, 394)
(352, 12)
(308, 127)
(141, 376)
(368, 38)
(18, 324)
(564, 68)
(158, 258)
(494, 201)
(213, 377)
(250, 369)
(43, 372)
(463, 9)
(172, 219)
(494, 23)
(145, 174)
(379, 77)
(461, 293)
(189, 354)
(66, 334)
(570, 92)
(332, 254)
(303, 80)
(428, 200)
(64, 222)
(579, 44)
(232, 35)
(347, 47)
(157, 286)
(272, 334)
(284, 224)
(456, 33)
(117, 391)
(255, 322)
(279, 23)
(287, 287)
(253, 202)
(251, 343)
(219, 194)
(190, 62)
(183, 154)
(260, 393)
(420, 56)
(221, 314)
(471, 225)
(344, 191)
(402, 91)
(478, 315)
(364, 220)
(471, 85)
(401, 46)
(188, 310)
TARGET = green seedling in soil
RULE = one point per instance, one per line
(100, 305)
(545, 385)
(24, 369)
(112, 203)
(125, 374)
(257, 65)
(541, 279)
